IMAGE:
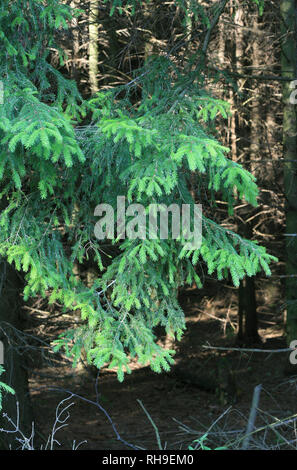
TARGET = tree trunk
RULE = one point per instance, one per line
(288, 62)
(247, 312)
(15, 373)
(255, 131)
(239, 42)
(75, 45)
(247, 305)
(93, 46)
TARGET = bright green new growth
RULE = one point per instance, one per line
(4, 388)
(54, 171)
(202, 446)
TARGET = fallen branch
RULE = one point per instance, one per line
(250, 349)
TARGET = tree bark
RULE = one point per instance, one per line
(75, 45)
(288, 62)
(247, 305)
(93, 45)
(255, 131)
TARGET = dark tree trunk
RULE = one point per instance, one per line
(15, 373)
(247, 312)
(289, 72)
(247, 305)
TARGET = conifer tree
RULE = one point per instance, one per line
(61, 156)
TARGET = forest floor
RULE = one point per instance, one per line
(182, 410)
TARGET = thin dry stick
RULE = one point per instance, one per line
(252, 417)
(153, 424)
(249, 349)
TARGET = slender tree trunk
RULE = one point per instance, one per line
(256, 107)
(247, 305)
(239, 41)
(231, 128)
(237, 127)
(93, 46)
(15, 372)
(75, 45)
(288, 62)
(250, 305)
